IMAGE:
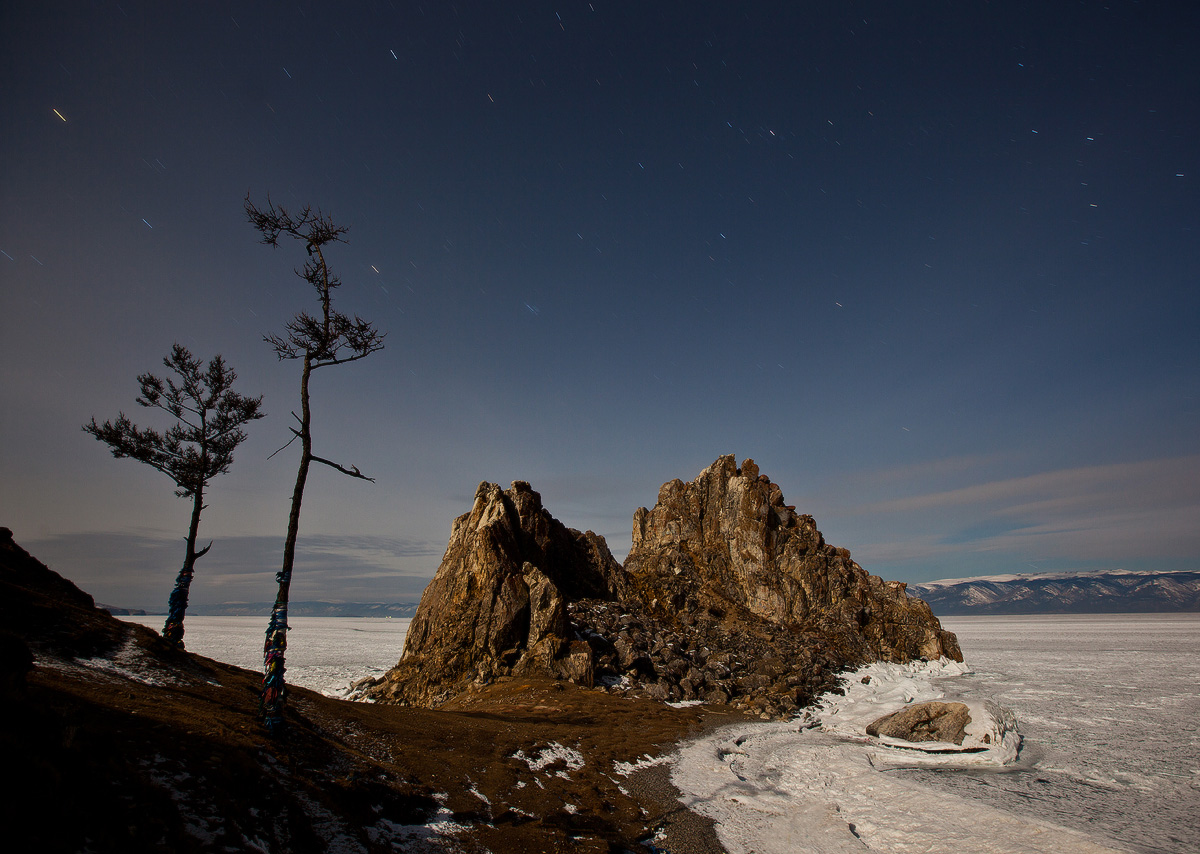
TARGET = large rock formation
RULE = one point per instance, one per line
(727, 537)
(727, 596)
(498, 603)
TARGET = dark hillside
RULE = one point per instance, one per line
(120, 743)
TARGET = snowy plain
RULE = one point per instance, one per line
(1107, 708)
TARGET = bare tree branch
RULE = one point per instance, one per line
(352, 471)
(289, 441)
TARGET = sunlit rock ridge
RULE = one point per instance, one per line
(727, 596)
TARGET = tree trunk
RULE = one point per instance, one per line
(274, 691)
(177, 603)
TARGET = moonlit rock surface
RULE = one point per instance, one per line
(727, 541)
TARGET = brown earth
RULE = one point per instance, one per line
(116, 742)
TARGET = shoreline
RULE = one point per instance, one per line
(681, 830)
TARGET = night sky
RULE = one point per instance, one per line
(932, 265)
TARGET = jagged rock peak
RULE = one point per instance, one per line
(727, 539)
(728, 596)
(497, 604)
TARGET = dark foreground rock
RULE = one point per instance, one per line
(118, 743)
(728, 597)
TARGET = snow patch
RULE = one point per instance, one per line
(647, 761)
(131, 662)
(551, 754)
(439, 834)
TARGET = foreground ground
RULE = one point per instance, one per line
(117, 742)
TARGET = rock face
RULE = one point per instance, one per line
(727, 596)
(727, 537)
(498, 603)
(933, 721)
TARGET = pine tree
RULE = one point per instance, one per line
(317, 341)
(209, 417)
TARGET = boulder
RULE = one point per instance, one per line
(932, 721)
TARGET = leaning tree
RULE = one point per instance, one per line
(318, 341)
(209, 416)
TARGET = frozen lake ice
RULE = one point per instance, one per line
(1109, 710)
(324, 654)
(1109, 706)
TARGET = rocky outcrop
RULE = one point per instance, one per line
(497, 605)
(728, 596)
(727, 539)
(760, 667)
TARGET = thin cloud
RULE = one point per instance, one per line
(1120, 514)
(138, 569)
(1161, 482)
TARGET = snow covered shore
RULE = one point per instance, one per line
(819, 784)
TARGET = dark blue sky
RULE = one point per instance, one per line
(932, 265)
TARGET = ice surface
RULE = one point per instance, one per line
(1109, 711)
(773, 789)
(819, 784)
(325, 654)
(1109, 708)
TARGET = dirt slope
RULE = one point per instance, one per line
(119, 743)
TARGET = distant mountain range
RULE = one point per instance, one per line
(309, 609)
(1111, 592)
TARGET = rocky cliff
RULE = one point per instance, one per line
(727, 538)
(497, 605)
(728, 596)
